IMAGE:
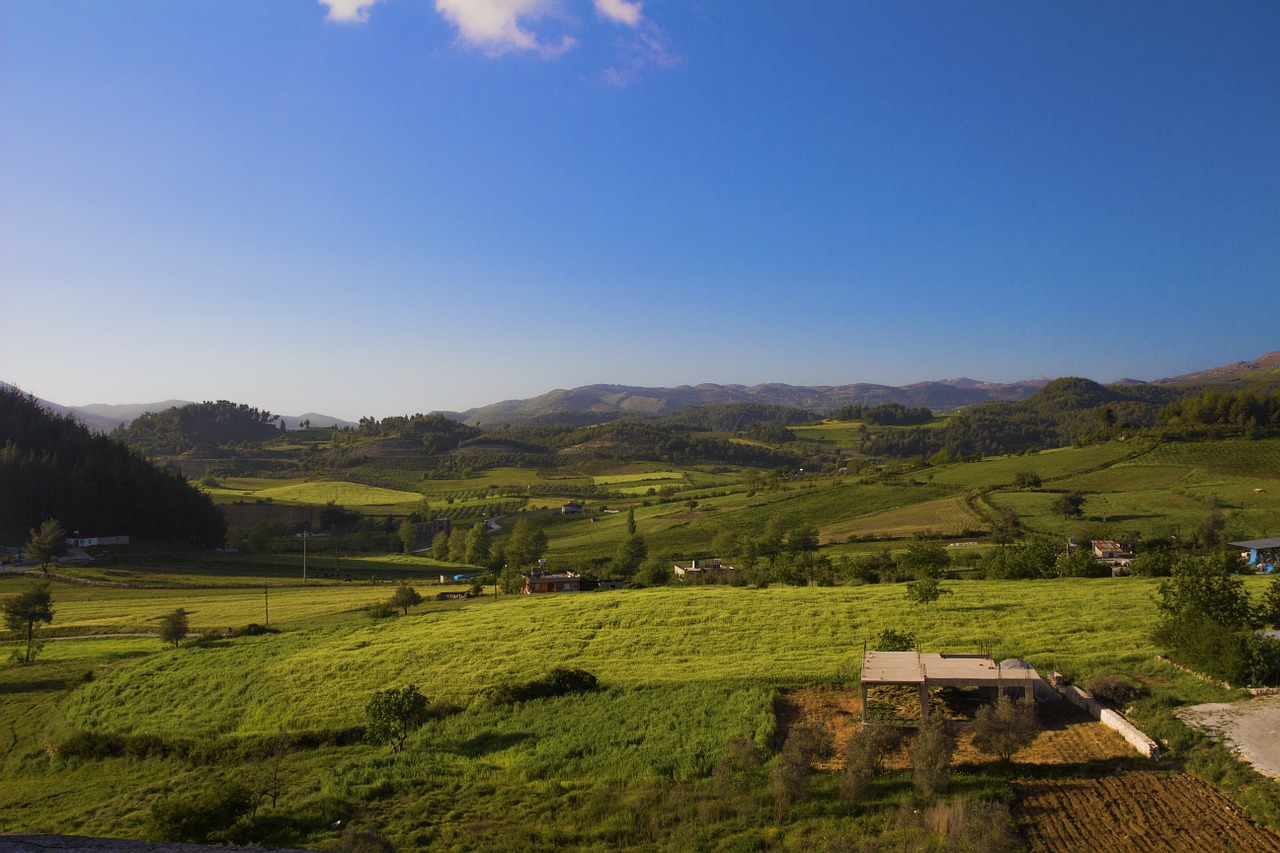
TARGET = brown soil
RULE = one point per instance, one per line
(1127, 810)
(1067, 734)
(1135, 810)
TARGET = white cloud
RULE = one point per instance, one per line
(498, 26)
(626, 12)
(348, 11)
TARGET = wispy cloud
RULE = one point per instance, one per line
(648, 49)
(348, 11)
(629, 12)
(500, 26)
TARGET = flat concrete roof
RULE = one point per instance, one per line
(936, 670)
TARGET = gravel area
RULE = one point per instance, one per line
(1250, 728)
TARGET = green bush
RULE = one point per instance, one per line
(558, 682)
(380, 610)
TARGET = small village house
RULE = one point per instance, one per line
(538, 583)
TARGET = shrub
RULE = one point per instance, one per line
(794, 766)
(380, 610)
(558, 682)
(931, 757)
(890, 640)
(253, 629)
(1005, 727)
(1112, 690)
(864, 754)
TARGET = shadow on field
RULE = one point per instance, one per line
(51, 684)
(488, 742)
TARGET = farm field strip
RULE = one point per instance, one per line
(645, 477)
(1049, 464)
(1138, 810)
(658, 637)
(944, 517)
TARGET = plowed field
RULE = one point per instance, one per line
(1134, 811)
(1125, 811)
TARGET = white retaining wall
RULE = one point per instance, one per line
(1131, 733)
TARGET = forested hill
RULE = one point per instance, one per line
(51, 466)
(178, 430)
(1062, 412)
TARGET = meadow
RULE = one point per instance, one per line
(684, 672)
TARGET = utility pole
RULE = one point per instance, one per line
(305, 534)
(266, 604)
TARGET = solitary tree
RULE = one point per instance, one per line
(47, 542)
(392, 715)
(926, 591)
(631, 521)
(405, 597)
(23, 611)
(1070, 504)
(173, 627)
(1005, 727)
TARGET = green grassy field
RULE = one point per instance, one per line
(303, 679)
(310, 492)
(685, 670)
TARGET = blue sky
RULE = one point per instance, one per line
(373, 209)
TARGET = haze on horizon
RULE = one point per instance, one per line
(383, 207)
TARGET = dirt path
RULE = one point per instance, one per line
(1250, 728)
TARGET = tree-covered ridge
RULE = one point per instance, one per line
(635, 439)
(1254, 413)
(885, 414)
(1063, 412)
(737, 417)
(437, 433)
(51, 466)
(179, 429)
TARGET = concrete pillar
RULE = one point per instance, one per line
(863, 685)
(924, 701)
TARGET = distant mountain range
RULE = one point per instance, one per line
(596, 403)
(104, 417)
(600, 403)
